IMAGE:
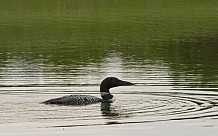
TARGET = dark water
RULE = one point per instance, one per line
(55, 48)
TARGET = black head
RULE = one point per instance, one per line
(111, 82)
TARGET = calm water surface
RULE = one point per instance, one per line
(51, 49)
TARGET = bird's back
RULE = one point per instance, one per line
(75, 100)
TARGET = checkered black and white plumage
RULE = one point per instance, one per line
(78, 100)
(75, 100)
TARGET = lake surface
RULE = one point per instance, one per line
(169, 49)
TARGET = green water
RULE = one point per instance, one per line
(57, 47)
(82, 32)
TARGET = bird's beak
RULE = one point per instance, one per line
(125, 83)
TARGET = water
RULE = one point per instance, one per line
(51, 49)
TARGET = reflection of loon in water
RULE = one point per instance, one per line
(108, 111)
(78, 100)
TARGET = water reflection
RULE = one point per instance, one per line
(109, 111)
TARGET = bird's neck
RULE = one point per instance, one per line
(105, 94)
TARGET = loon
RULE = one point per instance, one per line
(79, 100)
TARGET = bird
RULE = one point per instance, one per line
(80, 100)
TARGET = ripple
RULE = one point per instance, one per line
(148, 107)
(133, 107)
(166, 106)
